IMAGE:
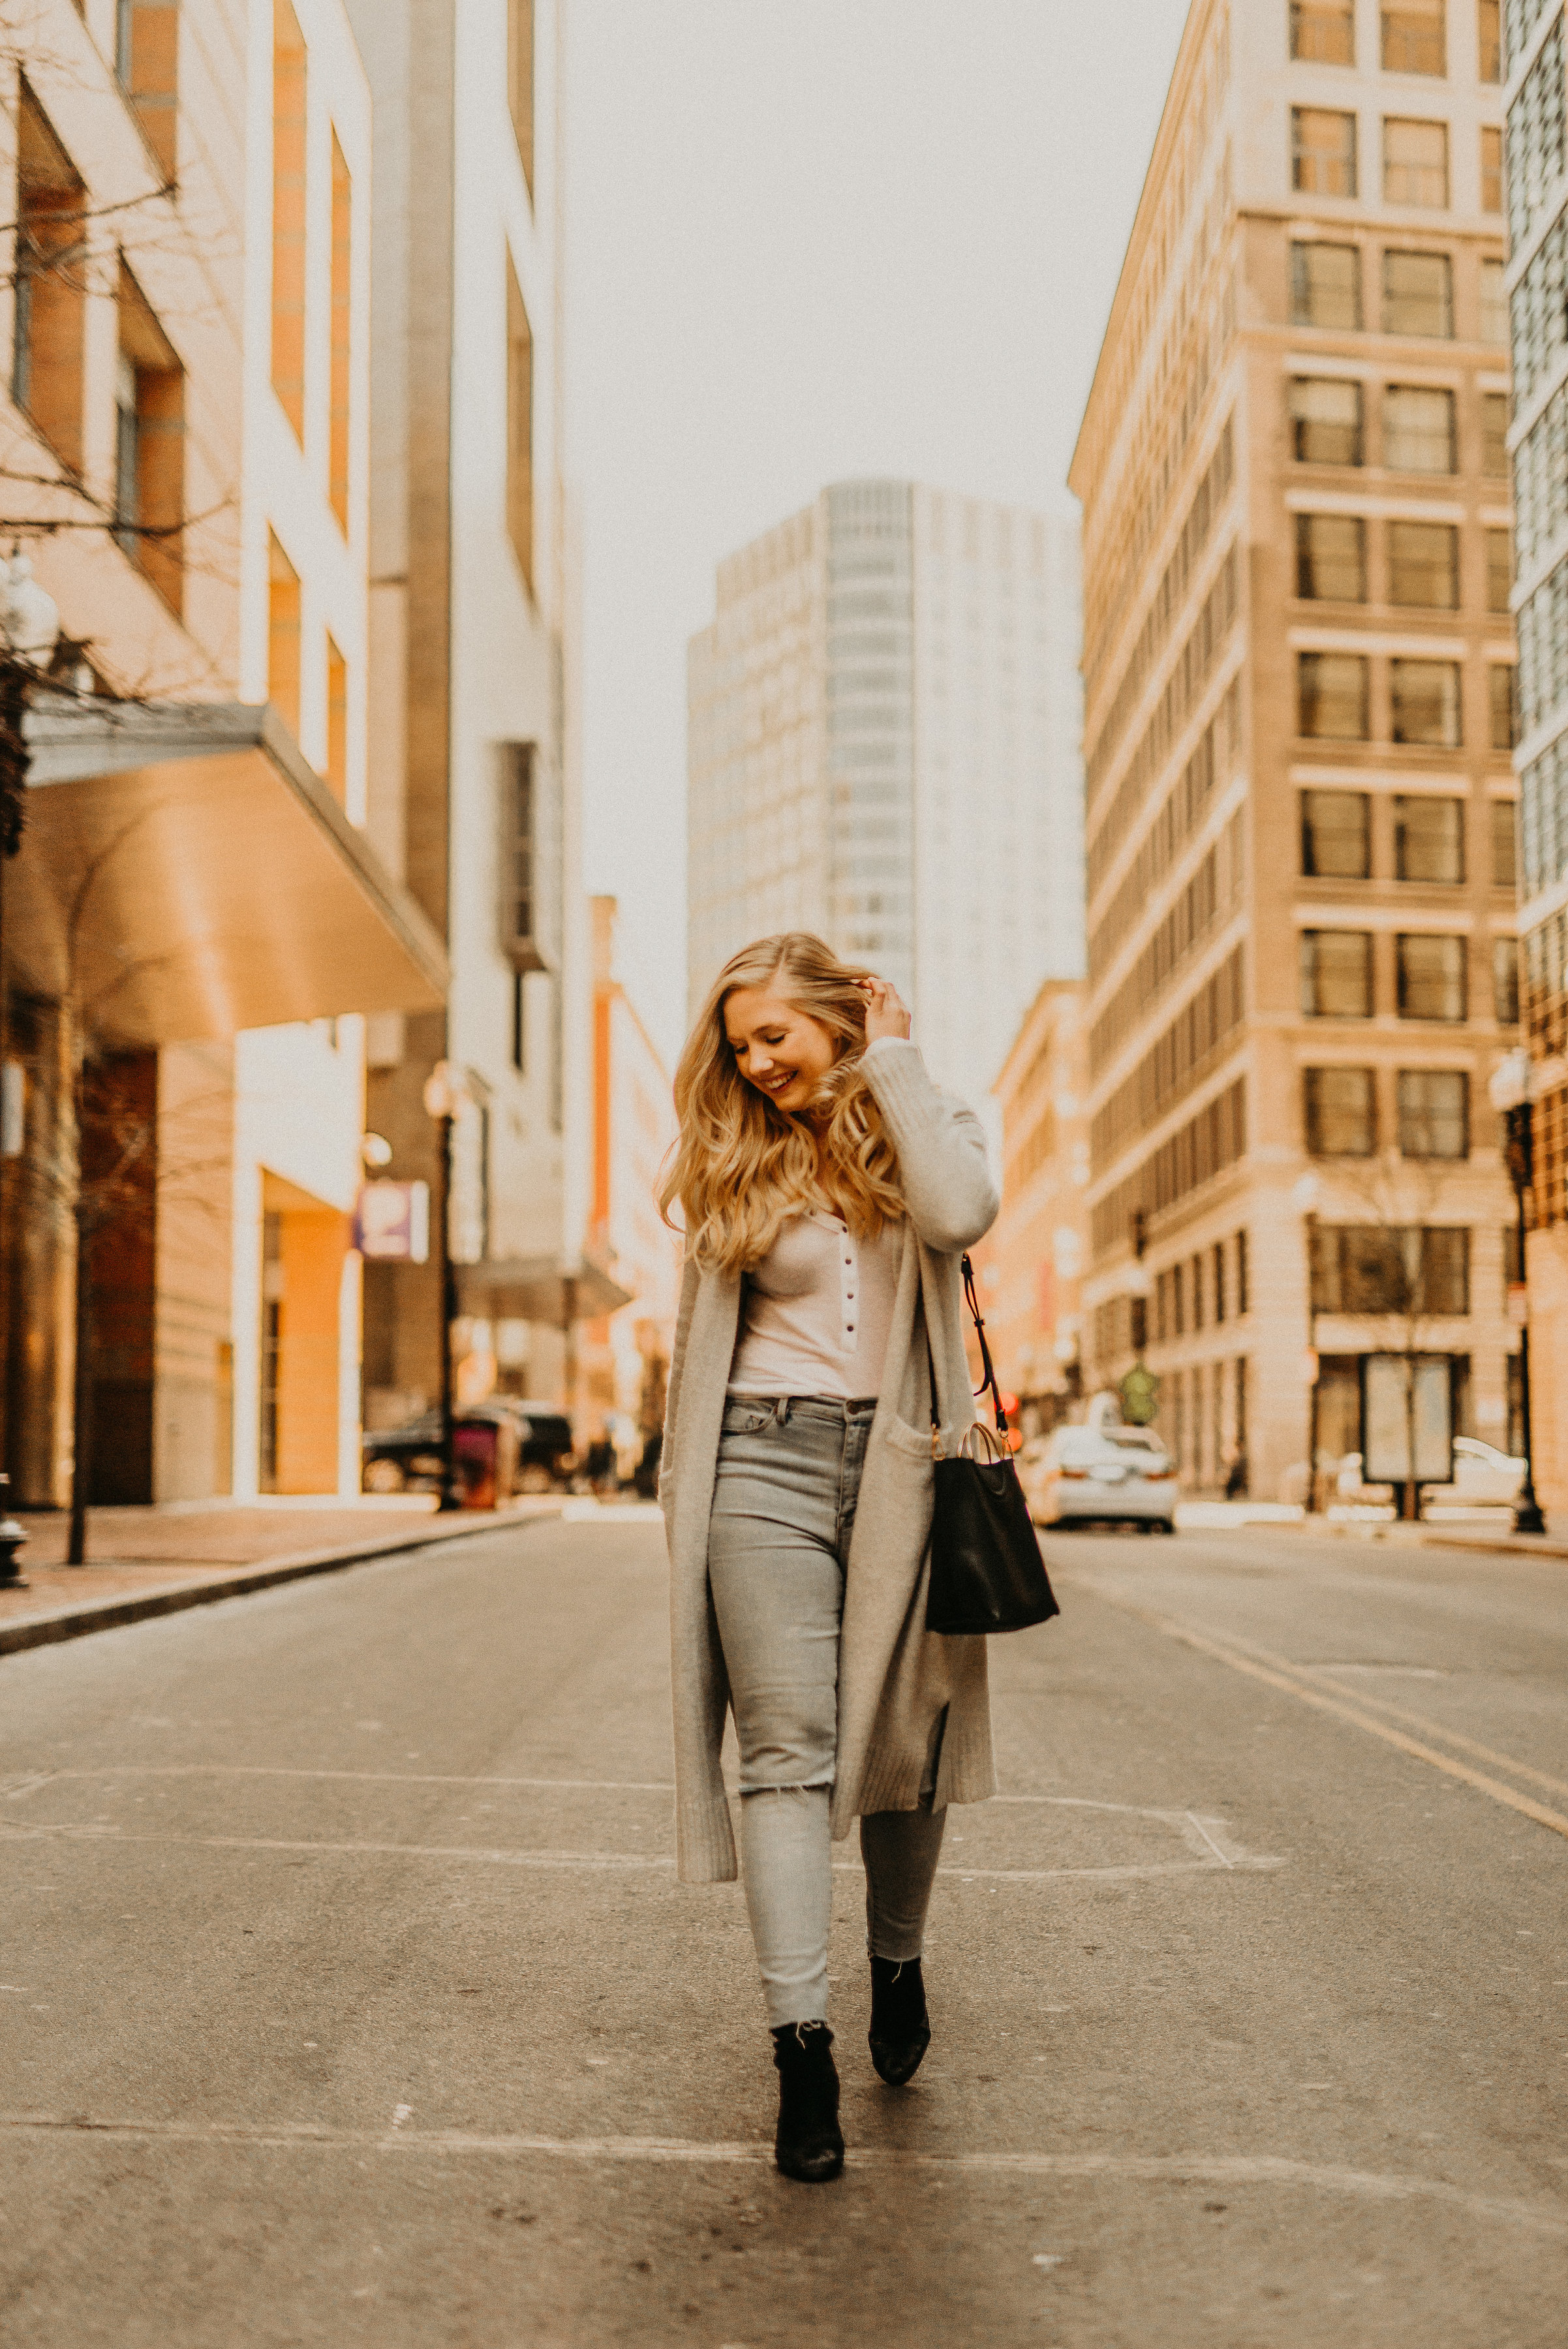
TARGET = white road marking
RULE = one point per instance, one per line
(367, 1777)
(1294, 1679)
(592, 1862)
(1190, 2169)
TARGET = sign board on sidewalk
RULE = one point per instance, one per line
(1396, 1387)
(392, 1223)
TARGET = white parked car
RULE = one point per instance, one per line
(1085, 1476)
(1482, 1472)
(1483, 1475)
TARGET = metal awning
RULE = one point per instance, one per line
(186, 874)
(538, 1288)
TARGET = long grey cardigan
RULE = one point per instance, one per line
(905, 1697)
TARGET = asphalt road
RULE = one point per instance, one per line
(347, 1996)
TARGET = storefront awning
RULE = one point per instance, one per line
(538, 1288)
(186, 873)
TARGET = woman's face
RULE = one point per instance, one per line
(778, 1048)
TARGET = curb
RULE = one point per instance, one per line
(110, 1614)
(1432, 1537)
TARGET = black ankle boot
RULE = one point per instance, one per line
(809, 2145)
(900, 2027)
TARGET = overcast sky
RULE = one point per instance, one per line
(808, 239)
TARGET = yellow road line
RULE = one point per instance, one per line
(1527, 1808)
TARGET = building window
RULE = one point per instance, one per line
(288, 153)
(149, 445)
(1419, 295)
(1493, 305)
(1331, 697)
(1431, 976)
(283, 648)
(1340, 1112)
(1331, 558)
(1325, 286)
(1322, 152)
(342, 318)
(521, 922)
(1336, 836)
(1414, 38)
(1390, 1269)
(1218, 1257)
(1336, 974)
(1424, 564)
(519, 1023)
(1425, 695)
(519, 425)
(1417, 428)
(1428, 839)
(1502, 687)
(1488, 38)
(1416, 163)
(337, 724)
(1243, 1293)
(146, 65)
(1196, 1292)
(1492, 168)
(1504, 845)
(1322, 32)
(1499, 569)
(1494, 435)
(51, 284)
(1433, 1114)
(1178, 1300)
(1505, 982)
(520, 80)
(1325, 421)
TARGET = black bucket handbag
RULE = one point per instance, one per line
(987, 1573)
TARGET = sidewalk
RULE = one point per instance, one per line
(154, 1561)
(1450, 1528)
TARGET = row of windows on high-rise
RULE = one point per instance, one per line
(1413, 35)
(1419, 567)
(1325, 160)
(1205, 1291)
(1431, 1112)
(1417, 426)
(1417, 291)
(1424, 700)
(1431, 976)
(1427, 843)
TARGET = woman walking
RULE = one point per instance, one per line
(827, 1191)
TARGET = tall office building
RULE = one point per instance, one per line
(1299, 715)
(883, 748)
(1537, 107)
(474, 793)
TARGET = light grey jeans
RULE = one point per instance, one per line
(784, 1508)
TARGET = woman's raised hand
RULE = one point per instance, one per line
(885, 1012)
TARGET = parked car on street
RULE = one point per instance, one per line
(1104, 1476)
(1482, 1475)
(406, 1459)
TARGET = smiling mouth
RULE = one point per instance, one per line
(780, 1084)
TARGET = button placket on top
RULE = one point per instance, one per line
(848, 1292)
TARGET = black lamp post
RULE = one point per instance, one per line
(445, 1098)
(1510, 1091)
(29, 631)
(1306, 1195)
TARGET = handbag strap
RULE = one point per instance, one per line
(971, 1299)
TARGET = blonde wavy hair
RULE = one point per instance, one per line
(742, 1166)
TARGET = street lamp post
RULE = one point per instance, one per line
(1304, 1197)
(29, 631)
(445, 1098)
(1510, 1091)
